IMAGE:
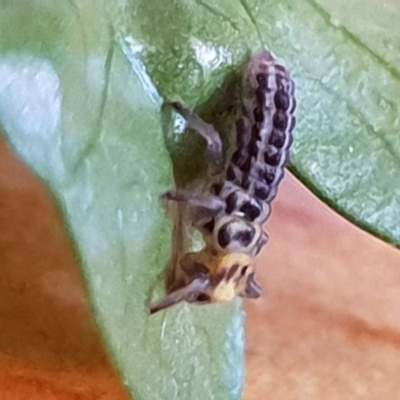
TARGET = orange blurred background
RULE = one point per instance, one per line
(327, 328)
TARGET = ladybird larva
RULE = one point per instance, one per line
(236, 201)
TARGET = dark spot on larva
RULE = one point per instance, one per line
(277, 138)
(237, 158)
(281, 99)
(280, 68)
(246, 166)
(260, 173)
(244, 270)
(261, 191)
(272, 156)
(231, 203)
(245, 236)
(232, 271)
(255, 132)
(223, 236)
(280, 120)
(216, 188)
(209, 226)
(260, 96)
(278, 79)
(230, 174)
(250, 211)
(203, 298)
(262, 80)
(253, 148)
(268, 176)
(245, 182)
(258, 114)
(292, 124)
(281, 80)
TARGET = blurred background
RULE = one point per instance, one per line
(328, 326)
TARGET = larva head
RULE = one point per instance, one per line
(213, 279)
(234, 276)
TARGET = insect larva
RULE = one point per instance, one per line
(236, 200)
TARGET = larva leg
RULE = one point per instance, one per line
(200, 204)
(207, 131)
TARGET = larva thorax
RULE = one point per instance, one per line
(236, 203)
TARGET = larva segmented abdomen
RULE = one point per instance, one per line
(265, 132)
(264, 135)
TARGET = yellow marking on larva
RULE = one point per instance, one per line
(227, 289)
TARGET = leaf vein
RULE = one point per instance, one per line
(247, 10)
(96, 135)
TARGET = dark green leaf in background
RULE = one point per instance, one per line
(82, 85)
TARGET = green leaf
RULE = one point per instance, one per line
(81, 93)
